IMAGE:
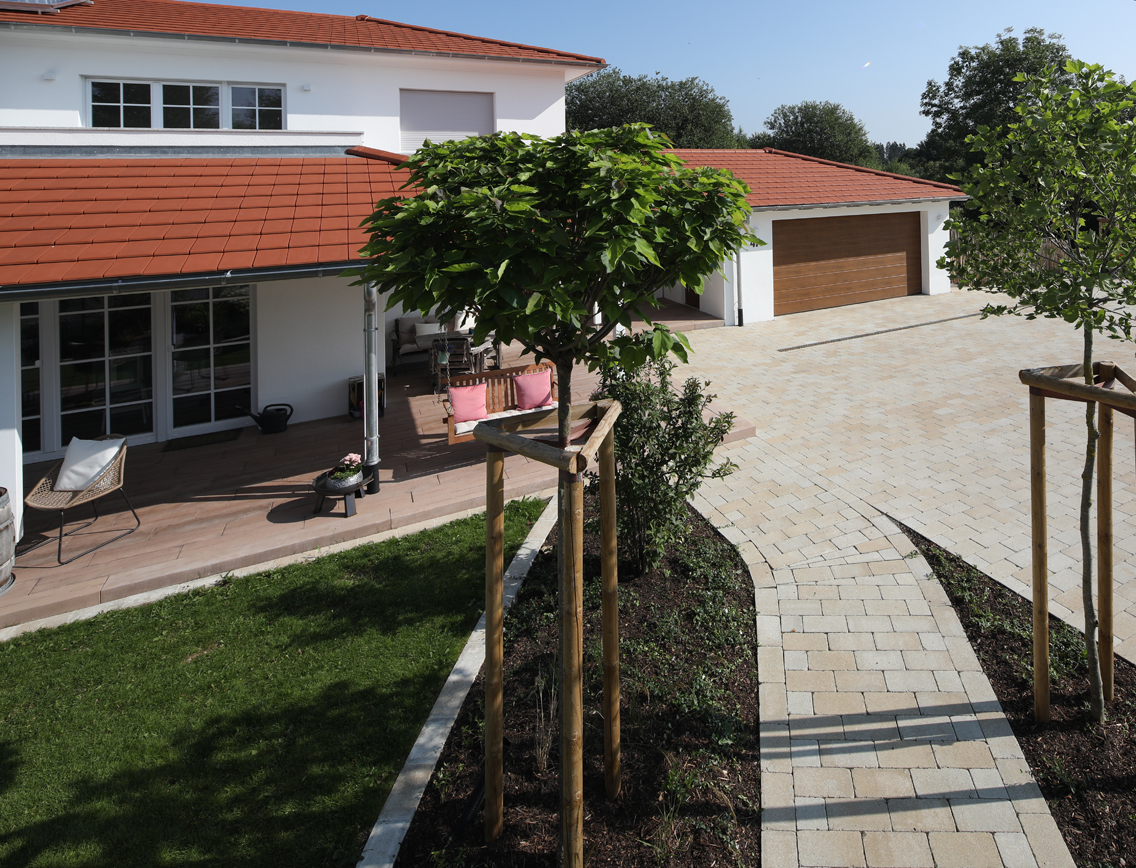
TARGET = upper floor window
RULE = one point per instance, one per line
(120, 104)
(258, 108)
(178, 106)
(191, 107)
(440, 115)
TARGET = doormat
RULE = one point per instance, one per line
(202, 440)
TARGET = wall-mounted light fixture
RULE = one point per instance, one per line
(305, 87)
(49, 75)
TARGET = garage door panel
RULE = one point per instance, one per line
(832, 261)
(891, 265)
(886, 289)
(837, 299)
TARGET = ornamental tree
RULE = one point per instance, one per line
(553, 243)
(1055, 197)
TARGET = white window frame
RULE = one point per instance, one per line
(156, 102)
(167, 430)
(161, 319)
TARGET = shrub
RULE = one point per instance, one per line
(664, 449)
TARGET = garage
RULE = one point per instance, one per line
(831, 234)
(831, 261)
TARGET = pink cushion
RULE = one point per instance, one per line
(468, 402)
(534, 390)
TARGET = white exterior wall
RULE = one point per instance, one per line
(757, 263)
(11, 448)
(349, 90)
(309, 341)
(936, 280)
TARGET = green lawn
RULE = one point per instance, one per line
(261, 723)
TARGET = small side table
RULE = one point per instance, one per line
(319, 484)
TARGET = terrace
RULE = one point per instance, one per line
(221, 507)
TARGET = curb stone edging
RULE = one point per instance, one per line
(391, 827)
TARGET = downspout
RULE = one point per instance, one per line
(738, 286)
(371, 385)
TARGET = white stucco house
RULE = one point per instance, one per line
(176, 205)
(834, 234)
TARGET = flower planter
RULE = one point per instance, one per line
(345, 483)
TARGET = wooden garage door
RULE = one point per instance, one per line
(830, 261)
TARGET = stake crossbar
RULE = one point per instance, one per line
(1056, 382)
(499, 437)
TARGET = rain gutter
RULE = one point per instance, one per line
(114, 286)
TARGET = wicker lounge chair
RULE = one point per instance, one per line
(45, 497)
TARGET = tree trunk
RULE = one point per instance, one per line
(564, 397)
(1096, 689)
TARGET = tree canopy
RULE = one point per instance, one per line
(689, 112)
(534, 237)
(982, 89)
(1055, 198)
(820, 129)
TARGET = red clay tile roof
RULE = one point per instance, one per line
(74, 220)
(248, 23)
(780, 179)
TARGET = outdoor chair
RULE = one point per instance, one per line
(45, 496)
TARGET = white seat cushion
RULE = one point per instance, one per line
(466, 427)
(426, 332)
(85, 461)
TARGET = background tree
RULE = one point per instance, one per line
(820, 129)
(689, 112)
(982, 90)
(533, 236)
(1055, 196)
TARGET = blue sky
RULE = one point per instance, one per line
(875, 59)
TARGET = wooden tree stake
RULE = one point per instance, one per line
(1040, 560)
(494, 652)
(612, 782)
(1104, 548)
(571, 672)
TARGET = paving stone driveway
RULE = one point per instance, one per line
(882, 742)
(929, 425)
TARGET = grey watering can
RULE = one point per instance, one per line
(273, 419)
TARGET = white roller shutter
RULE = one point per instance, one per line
(440, 115)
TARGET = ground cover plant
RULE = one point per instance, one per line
(664, 441)
(1086, 770)
(260, 723)
(689, 724)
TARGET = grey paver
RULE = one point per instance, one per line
(897, 850)
(921, 815)
(964, 850)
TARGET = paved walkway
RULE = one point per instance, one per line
(930, 425)
(882, 742)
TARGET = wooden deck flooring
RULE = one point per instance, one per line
(210, 509)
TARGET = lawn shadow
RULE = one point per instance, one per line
(361, 592)
(9, 763)
(296, 786)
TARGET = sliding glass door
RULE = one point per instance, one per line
(106, 366)
(99, 365)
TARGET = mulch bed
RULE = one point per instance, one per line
(1086, 771)
(689, 709)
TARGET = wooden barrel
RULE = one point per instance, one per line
(7, 541)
